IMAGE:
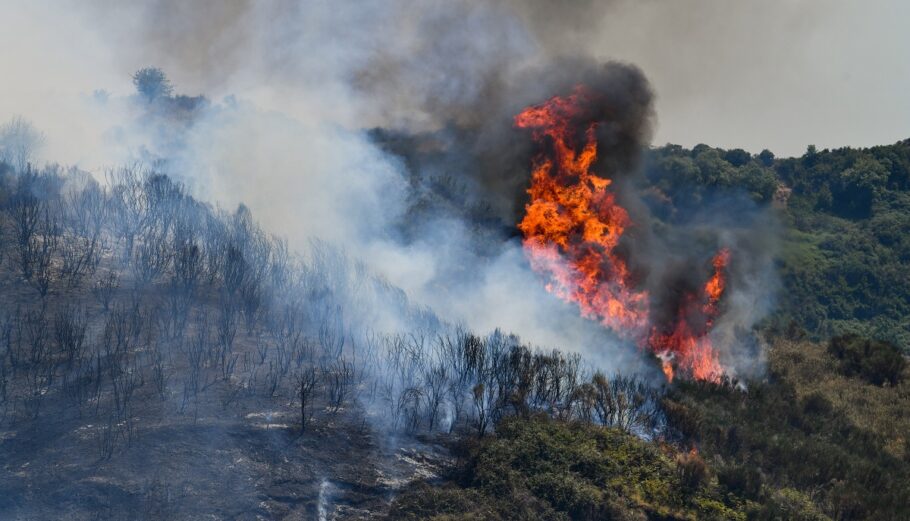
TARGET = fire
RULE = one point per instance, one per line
(573, 216)
(572, 227)
(691, 348)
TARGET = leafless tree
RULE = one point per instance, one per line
(273, 379)
(10, 329)
(36, 335)
(235, 269)
(69, 332)
(19, 141)
(435, 383)
(307, 382)
(409, 408)
(199, 345)
(42, 253)
(625, 402)
(78, 258)
(129, 204)
(331, 335)
(214, 246)
(457, 393)
(188, 265)
(484, 397)
(262, 348)
(26, 210)
(104, 288)
(160, 373)
(107, 437)
(39, 367)
(85, 211)
(125, 383)
(151, 258)
(251, 298)
(339, 378)
(226, 331)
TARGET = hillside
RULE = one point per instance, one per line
(405, 261)
(845, 218)
(150, 342)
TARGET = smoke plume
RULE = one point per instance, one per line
(387, 130)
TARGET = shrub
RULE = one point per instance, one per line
(875, 361)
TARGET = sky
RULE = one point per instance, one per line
(772, 74)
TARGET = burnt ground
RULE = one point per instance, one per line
(245, 463)
(235, 451)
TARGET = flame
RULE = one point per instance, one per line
(572, 215)
(692, 349)
(716, 285)
(572, 227)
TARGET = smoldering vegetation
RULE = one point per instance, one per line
(137, 321)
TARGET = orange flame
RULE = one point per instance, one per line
(571, 215)
(691, 349)
(572, 227)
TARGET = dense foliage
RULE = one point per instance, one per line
(540, 468)
(544, 469)
(845, 215)
(841, 440)
(811, 443)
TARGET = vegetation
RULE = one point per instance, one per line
(839, 440)
(132, 309)
(845, 214)
(811, 443)
(823, 436)
(539, 468)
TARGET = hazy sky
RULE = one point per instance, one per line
(776, 74)
(771, 73)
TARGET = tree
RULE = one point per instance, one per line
(19, 140)
(307, 382)
(737, 157)
(152, 84)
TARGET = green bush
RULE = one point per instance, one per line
(875, 361)
(549, 469)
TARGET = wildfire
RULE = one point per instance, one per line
(572, 227)
(572, 216)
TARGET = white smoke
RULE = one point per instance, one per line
(292, 87)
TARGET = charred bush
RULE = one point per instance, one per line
(307, 387)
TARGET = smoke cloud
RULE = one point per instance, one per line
(428, 196)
